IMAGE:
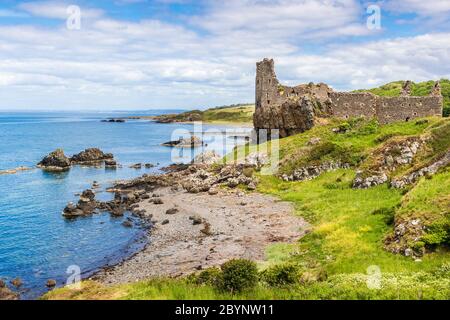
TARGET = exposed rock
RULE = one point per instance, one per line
(387, 159)
(14, 171)
(51, 283)
(136, 166)
(427, 171)
(127, 224)
(196, 219)
(7, 294)
(17, 282)
(207, 157)
(111, 163)
(149, 165)
(55, 161)
(157, 201)
(86, 205)
(172, 211)
(213, 192)
(251, 186)
(406, 233)
(91, 156)
(311, 172)
(257, 159)
(2, 284)
(313, 141)
(191, 142)
(166, 221)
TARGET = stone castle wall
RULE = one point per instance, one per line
(294, 109)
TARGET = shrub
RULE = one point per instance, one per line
(438, 233)
(239, 274)
(211, 276)
(283, 274)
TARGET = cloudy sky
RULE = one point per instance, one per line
(145, 54)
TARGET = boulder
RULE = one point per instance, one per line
(136, 166)
(110, 163)
(91, 156)
(51, 283)
(55, 161)
(86, 205)
(172, 211)
(17, 282)
(207, 157)
(7, 294)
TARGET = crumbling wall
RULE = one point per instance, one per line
(293, 109)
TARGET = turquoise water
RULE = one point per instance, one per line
(36, 243)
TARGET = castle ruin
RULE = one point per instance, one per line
(296, 109)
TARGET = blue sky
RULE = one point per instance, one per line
(144, 54)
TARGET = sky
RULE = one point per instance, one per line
(154, 54)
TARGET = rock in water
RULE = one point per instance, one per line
(91, 156)
(55, 161)
(86, 205)
(111, 163)
(7, 294)
(191, 142)
(51, 283)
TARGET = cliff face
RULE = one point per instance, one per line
(292, 110)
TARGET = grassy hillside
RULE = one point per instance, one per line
(394, 89)
(344, 252)
(241, 114)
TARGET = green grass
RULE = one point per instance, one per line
(239, 114)
(348, 226)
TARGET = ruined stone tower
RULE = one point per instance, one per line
(293, 110)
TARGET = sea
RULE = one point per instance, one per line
(36, 242)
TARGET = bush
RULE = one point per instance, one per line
(438, 233)
(211, 276)
(239, 274)
(283, 274)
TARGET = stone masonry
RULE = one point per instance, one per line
(293, 110)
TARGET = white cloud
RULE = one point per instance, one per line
(56, 10)
(118, 64)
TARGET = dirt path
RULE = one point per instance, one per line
(207, 230)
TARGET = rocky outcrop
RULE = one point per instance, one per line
(91, 156)
(55, 161)
(86, 205)
(313, 171)
(426, 171)
(6, 293)
(14, 171)
(385, 160)
(58, 161)
(207, 157)
(406, 233)
(191, 142)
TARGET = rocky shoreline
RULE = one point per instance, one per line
(200, 218)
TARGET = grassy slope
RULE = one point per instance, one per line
(240, 114)
(394, 89)
(347, 233)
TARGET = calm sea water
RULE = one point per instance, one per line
(36, 243)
